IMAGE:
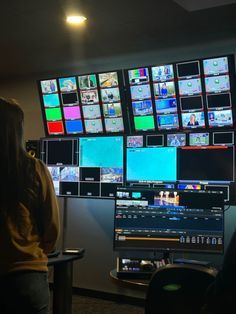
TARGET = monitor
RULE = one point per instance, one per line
(190, 87)
(163, 73)
(223, 138)
(188, 69)
(151, 164)
(215, 66)
(168, 220)
(67, 84)
(60, 151)
(177, 139)
(216, 84)
(155, 140)
(199, 139)
(138, 76)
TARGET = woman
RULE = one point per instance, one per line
(29, 220)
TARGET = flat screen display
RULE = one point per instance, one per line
(190, 87)
(163, 73)
(220, 118)
(215, 84)
(193, 119)
(166, 105)
(137, 76)
(188, 69)
(139, 92)
(215, 66)
(176, 140)
(199, 139)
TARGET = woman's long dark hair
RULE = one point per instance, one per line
(16, 166)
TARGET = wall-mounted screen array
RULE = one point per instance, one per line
(86, 104)
(93, 166)
(196, 94)
(168, 220)
(185, 95)
(85, 167)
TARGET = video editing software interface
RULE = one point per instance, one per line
(168, 220)
(84, 167)
(83, 104)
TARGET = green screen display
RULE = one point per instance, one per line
(53, 114)
(144, 123)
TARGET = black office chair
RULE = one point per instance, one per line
(178, 289)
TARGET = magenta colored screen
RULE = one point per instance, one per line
(72, 112)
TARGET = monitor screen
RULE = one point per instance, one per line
(163, 169)
(71, 113)
(109, 79)
(69, 98)
(190, 87)
(89, 97)
(144, 123)
(219, 101)
(167, 105)
(176, 140)
(67, 84)
(134, 141)
(91, 111)
(168, 121)
(164, 89)
(57, 152)
(199, 139)
(188, 69)
(216, 84)
(163, 73)
(51, 100)
(191, 103)
(49, 86)
(193, 119)
(220, 118)
(223, 138)
(215, 66)
(139, 92)
(137, 76)
(87, 81)
(164, 220)
(208, 163)
(142, 108)
(110, 95)
(155, 140)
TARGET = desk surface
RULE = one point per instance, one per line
(65, 258)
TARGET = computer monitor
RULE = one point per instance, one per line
(168, 220)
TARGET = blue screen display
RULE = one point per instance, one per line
(101, 152)
(152, 164)
(74, 126)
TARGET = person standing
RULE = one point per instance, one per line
(29, 219)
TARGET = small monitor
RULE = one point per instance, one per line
(72, 113)
(134, 141)
(87, 81)
(69, 98)
(67, 84)
(142, 107)
(220, 118)
(176, 140)
(215, 66)
(199, 139)
(216, 84)
(155, 140)
(89, 97)
(168, 121)
(163, 73)
(188, 69)
(51, 100)
(112, 110)
(193, 119)
(114, 125)
(164, 89)
(60, 152)
(190, 87)
(53, 114)
(109, 79)
(223, 138)
(167, 105)
(191, 103)
(138, 76)
(55, 127)
(144, 123)
(91, 111)
(110, 95)
(49, 86)
(140, 92)
(74, 126)
(219, 101)
(93, 126)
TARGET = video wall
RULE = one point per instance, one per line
(84, 104)
(170, 126)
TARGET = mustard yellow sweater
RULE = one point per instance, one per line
(21, 246)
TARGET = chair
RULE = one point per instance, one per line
(178, 289)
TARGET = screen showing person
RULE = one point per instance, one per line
(137, 76)
(215, 66)
(87, 81)
(199, 139)
(216, 84)
(219, 118)
(89, 97)
(166, 105)
(93, 126)
(140, 92)
(176, 140)
(165, 89)
(114, 125)
(219, 101)
(135, 141)
(168, 121)
(109, 79)
(193, 119)
(110, 95)
(67, 84)
(142, 108)
(112, 110)
(190, 87)
(163, 73)
(49, 86)
(91, 111)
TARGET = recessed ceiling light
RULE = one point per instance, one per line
(76, 19)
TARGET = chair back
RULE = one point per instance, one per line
(178, 289)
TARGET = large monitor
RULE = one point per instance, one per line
(162, 220)
(85, 167)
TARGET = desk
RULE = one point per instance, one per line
(62, 283)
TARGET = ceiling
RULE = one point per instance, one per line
(35, 38)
